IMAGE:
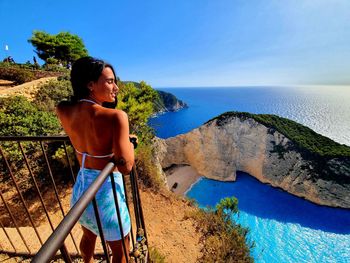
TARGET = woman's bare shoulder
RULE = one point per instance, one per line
(64, 107)
(117, 114)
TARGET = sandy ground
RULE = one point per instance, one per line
(181, 178)
(167, 227)
(4, 84)
(25, 89)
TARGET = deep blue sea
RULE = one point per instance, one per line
(284, 228)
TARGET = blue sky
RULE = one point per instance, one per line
(196, 42)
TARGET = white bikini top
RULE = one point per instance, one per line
(84, 154)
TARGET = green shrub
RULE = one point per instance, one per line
(54, 68)
(224, 240)
(155, 256)
(146, 168)
(17, 75)
(137, 101)
(60, 156)
(51, 93)
(19, 117)
(21, 73)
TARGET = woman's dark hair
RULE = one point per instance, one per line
(84, 70)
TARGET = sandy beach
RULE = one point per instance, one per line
(181, 177)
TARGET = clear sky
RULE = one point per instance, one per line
(196, 42)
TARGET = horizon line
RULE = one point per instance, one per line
(255, 86)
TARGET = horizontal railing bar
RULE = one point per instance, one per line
(35, 138)
(32, 254)
(51, 246)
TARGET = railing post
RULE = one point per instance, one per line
(56, 240)
(127, 205)
(119, 217)
(8, 237)
(63, 249)
(55, 189)
(50, 247)
(14, 221)
(69, 163)
(99, 225)
(21, 196)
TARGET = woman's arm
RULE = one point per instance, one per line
(122, 147)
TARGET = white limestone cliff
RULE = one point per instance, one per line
(218, 151)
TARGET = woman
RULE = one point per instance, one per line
(97, 134)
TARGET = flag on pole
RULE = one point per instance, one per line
(6, 47)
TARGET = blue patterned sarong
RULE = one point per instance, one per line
(105, 204)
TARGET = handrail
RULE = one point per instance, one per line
(35, 138)
(40, 139)
(55, 241)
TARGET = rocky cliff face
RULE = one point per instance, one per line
(217, 150)
(170, 102)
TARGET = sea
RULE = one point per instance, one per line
(283, 227)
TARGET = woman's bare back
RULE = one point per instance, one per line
(96, 130)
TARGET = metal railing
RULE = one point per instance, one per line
(56, 241)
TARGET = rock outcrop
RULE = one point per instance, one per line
(166, 101)
(221, 147)
(169, 102)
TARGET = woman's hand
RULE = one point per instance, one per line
(134, 140)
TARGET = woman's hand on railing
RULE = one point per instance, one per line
(134, 140)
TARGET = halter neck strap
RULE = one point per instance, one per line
(86, 100)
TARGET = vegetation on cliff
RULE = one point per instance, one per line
(169, 102)
(21, 73)
(303, 136)
(165, 101)
(224, 240)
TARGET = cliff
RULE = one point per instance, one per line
(169, 102)
(166, 102)
(233, 142)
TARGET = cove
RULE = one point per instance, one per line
(285, 228)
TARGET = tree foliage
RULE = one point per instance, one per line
(51, 93)
(224, 239)
(62, 48)
(228, 207)
(137, 102)
(19, 117)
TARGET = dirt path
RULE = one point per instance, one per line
(25, 89)
(168, 230)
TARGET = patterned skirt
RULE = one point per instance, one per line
(105, 204)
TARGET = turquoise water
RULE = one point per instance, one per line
(285, 228)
